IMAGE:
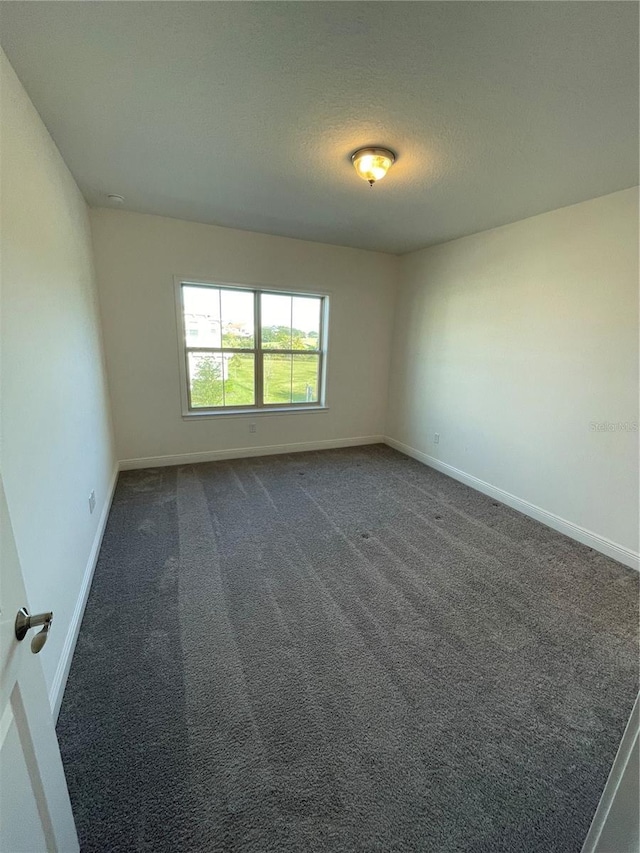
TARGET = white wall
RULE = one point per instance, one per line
(56, 436)
(511, 343)
(136, 258)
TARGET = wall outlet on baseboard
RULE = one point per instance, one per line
(92, 500)
(252, 427)
(436, 438)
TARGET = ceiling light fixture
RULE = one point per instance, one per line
(372, 164)
(115, 199)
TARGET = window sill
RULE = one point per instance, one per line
(252, 413)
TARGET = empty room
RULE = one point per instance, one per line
(319, 427)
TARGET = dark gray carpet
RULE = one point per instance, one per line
(342, 651)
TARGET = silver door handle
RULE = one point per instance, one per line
(24, 622)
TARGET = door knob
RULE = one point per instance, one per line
(24, 622)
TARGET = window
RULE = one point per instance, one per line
(251, 349)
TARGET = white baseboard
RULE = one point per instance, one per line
(64, 664)
(243, 452)
(574, 531)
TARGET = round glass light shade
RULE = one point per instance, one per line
(372, 164)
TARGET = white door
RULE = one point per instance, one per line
(35, 812)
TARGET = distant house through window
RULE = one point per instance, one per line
(251, 348)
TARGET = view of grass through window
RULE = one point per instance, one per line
(232, 362)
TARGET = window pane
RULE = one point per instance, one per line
(201, 316)
(223, 318)
(239, 380)
(306, 322)
(277, 378)
(237, 318)
(276, 321)
(206, 379)
(304, 382)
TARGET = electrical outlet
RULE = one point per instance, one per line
(252, 427)
(92, 501)
(436, 438)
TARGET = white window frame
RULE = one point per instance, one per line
(259, 407)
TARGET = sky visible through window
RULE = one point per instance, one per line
(238, 306)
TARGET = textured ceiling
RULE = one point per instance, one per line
(244, 114)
